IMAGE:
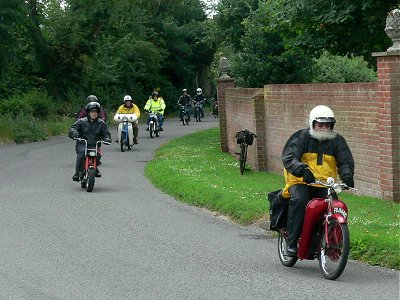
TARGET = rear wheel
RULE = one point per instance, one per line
(243, 157)
(287, 261)
(334, 252)
(91, 179)
(187, 120)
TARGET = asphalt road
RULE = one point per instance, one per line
(127, 240)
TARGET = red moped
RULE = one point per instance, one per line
(87, 176)
(325, 234)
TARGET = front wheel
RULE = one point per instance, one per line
(122, 142)
(243, 157)
(91, 179)
(151, 129)
(334, 251)
(83, 178)
(287, 261)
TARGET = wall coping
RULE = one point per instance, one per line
(387, 53)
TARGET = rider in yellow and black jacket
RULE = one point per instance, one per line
(313, 153)
(156, 104)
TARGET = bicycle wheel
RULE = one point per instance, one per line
(287, 261)
(243, 157)
(91, 179)
(334, 252)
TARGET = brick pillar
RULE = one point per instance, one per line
(389, 122)
(259, 115)
(222, 84)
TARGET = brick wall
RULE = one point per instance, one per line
(368, 116)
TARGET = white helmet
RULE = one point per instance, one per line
(321, 114)
(199, 91)
(127, 98)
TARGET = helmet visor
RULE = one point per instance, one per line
(325, 120)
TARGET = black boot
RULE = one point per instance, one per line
(98, 174)
(75, 177)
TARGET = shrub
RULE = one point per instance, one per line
(35, 102)
(330, 68)
(27, 129)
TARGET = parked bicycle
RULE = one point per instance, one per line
(244, 138)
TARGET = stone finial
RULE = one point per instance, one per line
(393, 29)
(224, 67)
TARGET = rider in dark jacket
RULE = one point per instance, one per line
(316, 152)
(186, 101)
(92, 129)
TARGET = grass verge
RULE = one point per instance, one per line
(194, 170)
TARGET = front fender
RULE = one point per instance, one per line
(340, 218)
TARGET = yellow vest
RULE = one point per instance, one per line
(154, 106)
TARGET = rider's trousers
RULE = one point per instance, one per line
(300, 195)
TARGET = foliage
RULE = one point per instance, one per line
(276, 41)
(107, 48)
(333, 68)
(264, 58)
(35, 103)
(27, 129)
(341, 27)
(215, 183)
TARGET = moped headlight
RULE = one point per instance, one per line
(337, 187)
(92, 153)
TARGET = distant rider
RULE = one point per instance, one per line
(130, 108)
(82, 112)
(92, 129)
(155, 104)
(185, 101)
(200, 98)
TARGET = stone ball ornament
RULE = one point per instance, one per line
(392, 29)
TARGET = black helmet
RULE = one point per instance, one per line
(154, 93)
(92, 106)
(92, 98)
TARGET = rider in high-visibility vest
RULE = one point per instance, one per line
(155, 104)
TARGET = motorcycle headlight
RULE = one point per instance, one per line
(337, 187)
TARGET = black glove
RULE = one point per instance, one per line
(308, 176)
(75, 135)
(348, 181)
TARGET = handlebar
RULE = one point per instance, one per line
(330, 183)
(98, 142)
